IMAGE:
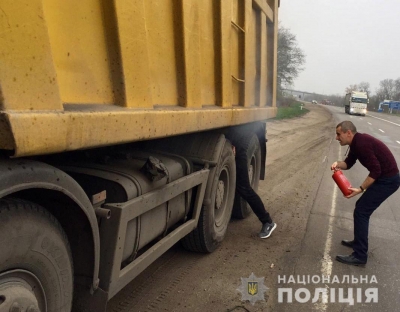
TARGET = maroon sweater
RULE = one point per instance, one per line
(373, 155)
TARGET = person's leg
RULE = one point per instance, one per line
(246, 191)
(376, 194)
(365, 206)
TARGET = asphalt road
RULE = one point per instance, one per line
(331, 220)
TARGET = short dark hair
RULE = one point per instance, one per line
(347, 125)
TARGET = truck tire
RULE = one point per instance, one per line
(241, 209)
(36, 269)
(215, 216)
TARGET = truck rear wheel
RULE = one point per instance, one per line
(241, 209)
(36, 270)
(215, 216)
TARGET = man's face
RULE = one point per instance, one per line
(344, 138)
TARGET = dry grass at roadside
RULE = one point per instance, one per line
(294, 109)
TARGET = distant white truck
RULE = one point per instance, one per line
(355, 103)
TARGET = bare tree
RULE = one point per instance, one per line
(387, 90)
(364, 87)
(350, 88)
(290, 57)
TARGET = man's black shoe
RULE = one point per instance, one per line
(348, 243)
(267, 230)
(350, 259)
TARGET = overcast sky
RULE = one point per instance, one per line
(345, 42)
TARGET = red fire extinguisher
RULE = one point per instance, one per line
(342, 182)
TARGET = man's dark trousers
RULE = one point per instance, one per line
(375, 195)
(244, 188)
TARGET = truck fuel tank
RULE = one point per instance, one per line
(127, 176)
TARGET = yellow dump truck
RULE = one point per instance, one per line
(115, 119)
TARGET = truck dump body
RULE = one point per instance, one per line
(76, 75)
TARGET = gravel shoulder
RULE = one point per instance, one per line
(185, 281)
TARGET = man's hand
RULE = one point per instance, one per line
(339, 165)
(354, 192)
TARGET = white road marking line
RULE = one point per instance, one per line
(385, 120)
(326, 268)
(325, 157)
(381, 130)
(327, 262)
(398, 142)
(370, 124)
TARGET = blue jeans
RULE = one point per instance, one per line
(373, 197)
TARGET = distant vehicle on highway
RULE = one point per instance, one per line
(314, 102)
(356, 103)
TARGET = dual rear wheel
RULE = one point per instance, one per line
(215, 215)
(225, 201)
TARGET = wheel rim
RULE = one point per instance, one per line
(221, 197)
(21, 289)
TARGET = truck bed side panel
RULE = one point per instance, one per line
(84, 74)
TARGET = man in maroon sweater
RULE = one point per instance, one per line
(383, 180)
